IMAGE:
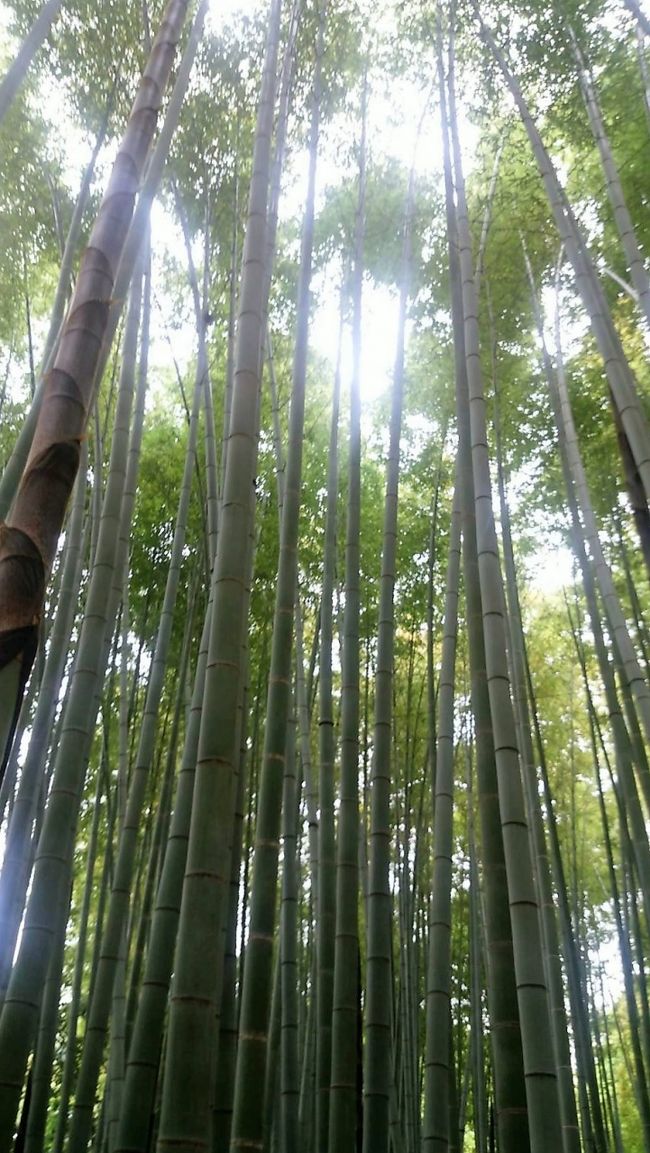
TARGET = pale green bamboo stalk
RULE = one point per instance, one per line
(200, 300)
(117, 1054)
(211, 464)
(622, 386)
(100, 1006)
(163, 814)
(630, 667)
(228, 1031)
(639, 15)
(187, 1082)
(325, 926)
(593, 1123)
(345, 998)
(302, 703)
(476, 952)
(568, 1112)
(232, 316)
(437, 1120)
(378, 1054)
(509, 1083)
(639, 1079)
(247, 1124)
(289, 1066)
(622, 218)
(19, 67)
(69, 1061)
(532, 993)
(272, 1073)
(41, 1072)
(147, 1034)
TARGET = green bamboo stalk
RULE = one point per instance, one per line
(618, 727)
(641, 1048)
(289, 1065)
(247, 1125)
(378, 1056)
(41, 1072)
(476, 952)
(162, 820)
(100, 1007)
(301, 695)
(117, 1054)
(437, 1121)
(593, 1122)
(106, 870)
(325, 927)
(187, 1082)
(229, 1027)
(532, 993)
(640, 625)
(272, 1074)
(622, 218)
(630, 667)
(147, 1034)
(509, 1084)
(200, 301)
(307, 1102)
(569, 1117)
(345, 997)
(635, 933)
(640, 1081)
(70, 1057)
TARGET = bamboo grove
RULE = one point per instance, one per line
(325, 678)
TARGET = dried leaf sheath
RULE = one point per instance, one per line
(44, 491)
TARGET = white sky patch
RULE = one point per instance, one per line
(378, 339)
(551, 569)
(224, 12)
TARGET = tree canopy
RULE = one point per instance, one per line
(324, 576)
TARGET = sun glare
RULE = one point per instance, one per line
(222, 12)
